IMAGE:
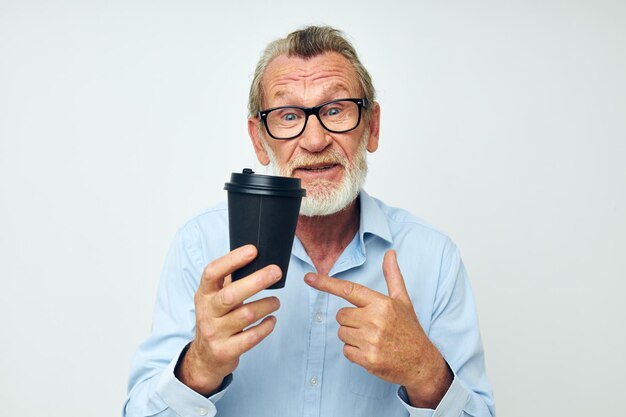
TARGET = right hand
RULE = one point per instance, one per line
(221, 318)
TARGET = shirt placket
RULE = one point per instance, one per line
(316, 351)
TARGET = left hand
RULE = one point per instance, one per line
(383, 335)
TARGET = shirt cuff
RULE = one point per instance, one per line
(452, 403)
(183, 400)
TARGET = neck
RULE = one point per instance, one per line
(325, 237)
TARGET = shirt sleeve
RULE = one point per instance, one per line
(153, 389)
(452, 404)
(454, 330)
(185, 401)
(170, 397)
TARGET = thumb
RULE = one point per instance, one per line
(393, 276)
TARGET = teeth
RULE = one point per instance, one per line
(317, 169)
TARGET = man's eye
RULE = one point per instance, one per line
(290, 117)
(333, 111)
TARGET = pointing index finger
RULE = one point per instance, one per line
(358, 295)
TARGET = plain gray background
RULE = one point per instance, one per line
(503, 123)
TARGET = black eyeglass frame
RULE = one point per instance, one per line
(308, 111)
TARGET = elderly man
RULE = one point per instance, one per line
(377, 317)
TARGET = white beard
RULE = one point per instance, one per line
(325, 197)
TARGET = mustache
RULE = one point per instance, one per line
(330, 157)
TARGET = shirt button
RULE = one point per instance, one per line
(313, 381)
(202, 411)
(319, 317)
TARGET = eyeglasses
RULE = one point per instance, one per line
(337, 116)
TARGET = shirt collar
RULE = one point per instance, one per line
(373, 220)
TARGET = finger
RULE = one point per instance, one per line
(353, 354)
(228, 280)
(350, 316)
(393, 276)
(351, 336)
(237, 292)
(242, 317)
(246, 340)
(215, 272)
(356, 294)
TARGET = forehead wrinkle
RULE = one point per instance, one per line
(323, 88)
(332, 88)
(312, 76)
(324, 75)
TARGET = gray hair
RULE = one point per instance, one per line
(308, 43)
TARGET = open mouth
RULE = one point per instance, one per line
(317, 168)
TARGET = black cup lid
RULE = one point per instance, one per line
(250, 183)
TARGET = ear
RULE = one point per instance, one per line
(254, 123)
(374, 127)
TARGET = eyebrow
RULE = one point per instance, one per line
(282, 94)
(329, 93)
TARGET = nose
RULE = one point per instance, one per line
(315, 138)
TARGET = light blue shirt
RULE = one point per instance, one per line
(300, 369)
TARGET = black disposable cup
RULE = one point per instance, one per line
(263, 211)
